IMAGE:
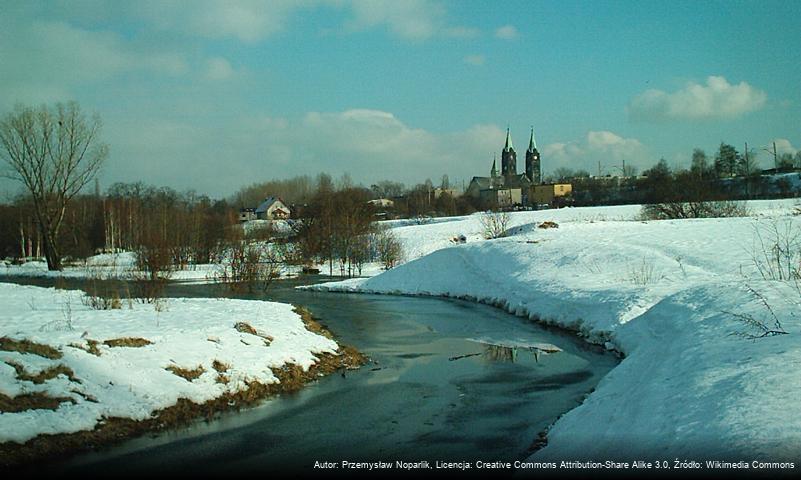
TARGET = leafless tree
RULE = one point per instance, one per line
(55, 152)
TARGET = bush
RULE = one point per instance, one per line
(706, 209)
(248, 267)
(153, 268)
(776, 250)
(389, 249)
(494, 224)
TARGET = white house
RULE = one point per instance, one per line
(272, 208)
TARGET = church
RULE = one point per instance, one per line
(509, 188)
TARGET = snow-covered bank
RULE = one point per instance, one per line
(133, 362)
(670, 295)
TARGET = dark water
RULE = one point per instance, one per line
(414, 401)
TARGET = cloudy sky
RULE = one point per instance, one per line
(214, 95)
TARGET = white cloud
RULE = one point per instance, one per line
(783, 146)
(507, 32)
(475, 60)
(44, 60)
(409, 19)
(218, 68)
(717, 98)
(602, 146)
(368, 144)
(246, 20)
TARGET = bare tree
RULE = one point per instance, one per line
(55, 152)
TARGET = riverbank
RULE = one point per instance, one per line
(711, 341)
(73, 378)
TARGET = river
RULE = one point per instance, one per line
(445, 383)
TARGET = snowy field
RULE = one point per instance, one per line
(678, 298)
(129, 362)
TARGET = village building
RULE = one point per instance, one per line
(247, 214)
(551, 194)
(509, 188)
(272, 208)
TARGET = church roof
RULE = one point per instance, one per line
(532, 144)
(508, 146)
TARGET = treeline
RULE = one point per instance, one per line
(727, 175)
(125, 217)
(425, 198)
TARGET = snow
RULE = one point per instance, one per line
(665, 294)
(132, 382)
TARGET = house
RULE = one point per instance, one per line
(247, 214)
(551, 194)
(501, 197)
(272, 208)
(380, 203)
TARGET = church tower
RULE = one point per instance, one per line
(508, 157)
(533, 166)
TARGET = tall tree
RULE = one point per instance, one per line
(700, 164)
(726, 160)
(55, 152)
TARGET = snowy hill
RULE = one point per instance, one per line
(678, 298)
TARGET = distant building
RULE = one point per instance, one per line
(501, 197)
(509, 179)
(552, 194)
(272, 208)
(382, 203)
(247, 214)
(438, 191)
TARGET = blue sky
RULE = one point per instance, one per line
(216, 95)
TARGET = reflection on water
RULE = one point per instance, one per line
(504, 353)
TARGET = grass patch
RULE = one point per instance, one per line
(26, 346)
(113, 430)
(221, 368)
(186, 373)
(243, 327)
(29, 401)
(132, 342)
(44, 375)
(91, 347)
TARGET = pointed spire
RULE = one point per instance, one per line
(532, 144)
(508, 146)
(494, 171)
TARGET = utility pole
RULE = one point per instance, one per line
(775, 155)
(747, 173)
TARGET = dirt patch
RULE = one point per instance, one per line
(243, 327)
(548, 224)
(44, 375)
(113, 430)
(26, 346)
(132, 342)
(186, 373)
(28, 401)
(91, 347)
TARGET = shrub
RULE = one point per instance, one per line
(389, 249)
(494, 224)
(705, 209)
(776, 250)
(248, 266)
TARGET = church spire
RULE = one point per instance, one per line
(532, 144)
(494, 171)
(508, 146)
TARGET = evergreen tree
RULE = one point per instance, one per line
(726, 160)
